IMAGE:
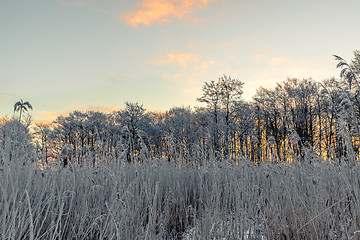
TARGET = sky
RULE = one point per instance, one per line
(66, 55)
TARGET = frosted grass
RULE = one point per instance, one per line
(169, 201)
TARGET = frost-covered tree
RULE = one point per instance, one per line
(223, 98)
(268, 119)
(212, 97)
(331, 91)
(87, 135)
(290, 106)
(179, 129)
(43, 133)
(231, 92)
(15, 142)
(134, 119)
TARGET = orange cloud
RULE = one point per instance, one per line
(162, 11)
(179, 58)
(48, 116)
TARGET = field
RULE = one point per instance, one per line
(161, 200)
(285, 166)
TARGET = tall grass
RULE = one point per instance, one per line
(161, 200)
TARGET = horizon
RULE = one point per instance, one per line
(66, 55)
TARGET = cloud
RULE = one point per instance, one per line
(162, 11)
(178, 58)
(49, 116)
(183, 59)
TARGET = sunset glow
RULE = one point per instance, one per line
(62, 54)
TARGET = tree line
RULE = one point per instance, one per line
(297, 120)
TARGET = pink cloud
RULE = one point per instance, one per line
(175, 57)
(162, 11)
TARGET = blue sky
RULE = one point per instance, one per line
(63, 55)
